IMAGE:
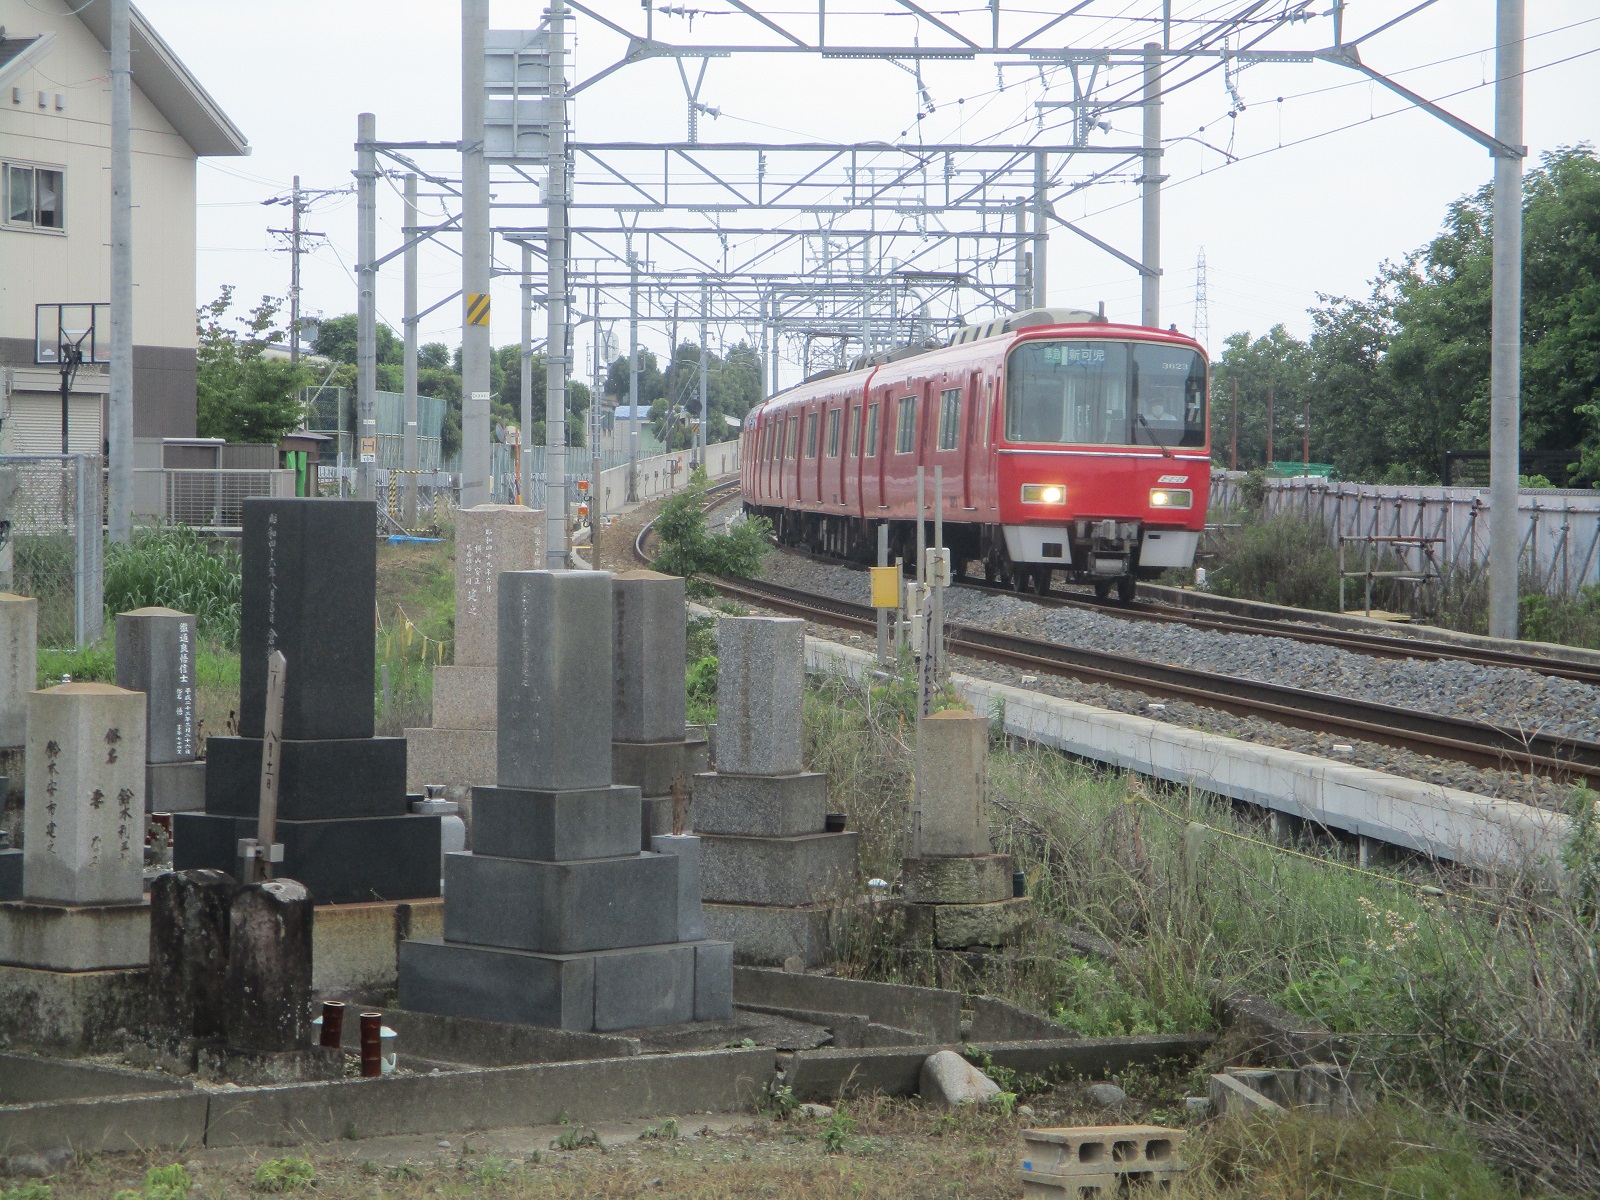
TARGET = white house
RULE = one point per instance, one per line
(55, 218)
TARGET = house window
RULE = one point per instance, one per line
(872, 431)
(34, 196)
(833, 433)
(905, 432)
(949, 418)
(811, 435)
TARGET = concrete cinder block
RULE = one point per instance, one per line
(955, 783)
(464, 696)
(561, 907)
(760, 805)
(490, 539)
(650, 642)
(156, 656)
(1102, 1150)
(556, 826)
(59, 937)
(19, 665)
(808, 869)
(453, 757)
(1232, 1097)
(770, 935)
(970, 879)
(554, 680)
(761, 667)
(84, 821)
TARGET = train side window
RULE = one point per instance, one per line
(905, 432)
(833, 432)
(872, 431)
(949, 418)
(811, 435)
(791, 436)
(852, 435)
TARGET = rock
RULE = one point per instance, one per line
(1024, 1110)
(38, 1166)
(816, 1112)
(948, 1080)
(1105, 1095)
(794, 964)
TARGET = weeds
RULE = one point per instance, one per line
(174, 567)
(577, 1139)
(667, 1131)
(32, 1190)
(284, 1175)
(161, 1183)
(777, 1101)
(838, 1131)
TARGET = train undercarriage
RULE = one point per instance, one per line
(1102, 553)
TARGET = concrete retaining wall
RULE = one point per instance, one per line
(1439, 821)
(663, 474)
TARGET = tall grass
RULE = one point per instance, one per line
(1476, 997)
(174, 567)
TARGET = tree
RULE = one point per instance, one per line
(1276, 365)
(688, 550)
(241, 394)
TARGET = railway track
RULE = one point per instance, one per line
(1457, 739)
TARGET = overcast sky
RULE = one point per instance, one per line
(1324, 184)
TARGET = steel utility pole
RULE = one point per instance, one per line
(705, 415)
(412, 457)
(119, 435)
(1021, 284)
(555, 359)
(1505, 369)
(1041, 228)
(477, 255)
(596, 494)
(525, 382)
(1150, 279)
(632, 494)
(366, 305)
(294, 272)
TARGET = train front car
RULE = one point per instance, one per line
(1103, 463)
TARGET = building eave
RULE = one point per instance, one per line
(170, 85)
(30, 56)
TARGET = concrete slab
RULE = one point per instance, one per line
(73, 1012)
(1443, 822)
(934, 1012)
(31, 1079)
(167, 1121)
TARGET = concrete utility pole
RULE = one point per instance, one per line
(294, 272)
(555, 360)
(412, 457)
(366, 305)
(596, 494)
(633, 377)
(1505, 369)
(1041, 228)
(1022, 285)
(705, 415)
(477, 254)
(119, 435)
(525, 391)
(1150, 300)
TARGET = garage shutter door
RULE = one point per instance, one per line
(34, 425)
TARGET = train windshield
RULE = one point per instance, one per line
(1106, 393)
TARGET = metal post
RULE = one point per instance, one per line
(119, 407)
(525, 385)
(476, 260)
(1269, 426)
(597, 505)
(632, 493)
(1233, 431)
(1041, 230)
(1022, 286)
(1305, 440)
(936, 639)
(555, 359)
(294, 271)
(88, 588)
(705, 412)
(883, 613)
(1505, 364)
(1150, 303)
(366, 304)
(412, 458)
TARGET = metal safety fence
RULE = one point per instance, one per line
(52, 513)
(208, 500)
(1559, 530)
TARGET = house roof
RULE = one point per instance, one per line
(18, 53)
(163, 79)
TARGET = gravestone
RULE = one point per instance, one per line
(79, 938)
(19, 665)
(957, 894)
(770, 873)
(557, 917)
(348, 835)
(459, 750)
(156, 656)
(189, 922)
(651, 748)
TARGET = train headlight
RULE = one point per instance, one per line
(1171, 498)
(1043, 493)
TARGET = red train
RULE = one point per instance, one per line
(1068, 444)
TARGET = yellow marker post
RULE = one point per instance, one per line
(885, 587)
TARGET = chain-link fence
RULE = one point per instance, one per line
(52, 513)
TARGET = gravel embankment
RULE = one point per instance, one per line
(1511, 698)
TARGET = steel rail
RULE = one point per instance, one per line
(1474, 742)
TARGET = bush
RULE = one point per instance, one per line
(688, 550)
(1279, 559)
(173, 567)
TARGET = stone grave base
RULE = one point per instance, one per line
(454, 757)
(964, 926)
(76, 1012)
(655, 818)
(175, 787)
(652, 766)
(60, 937)
(251, 1068)
(355, 948)
(799, 870)
(346, 861)
(598, 991)
(10, 875)
(956, 879)
(761, 805)
(357, 777)
(766, 935)
(464, 697)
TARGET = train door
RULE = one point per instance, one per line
(969, 438)
(879, 420)
(850, 457)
